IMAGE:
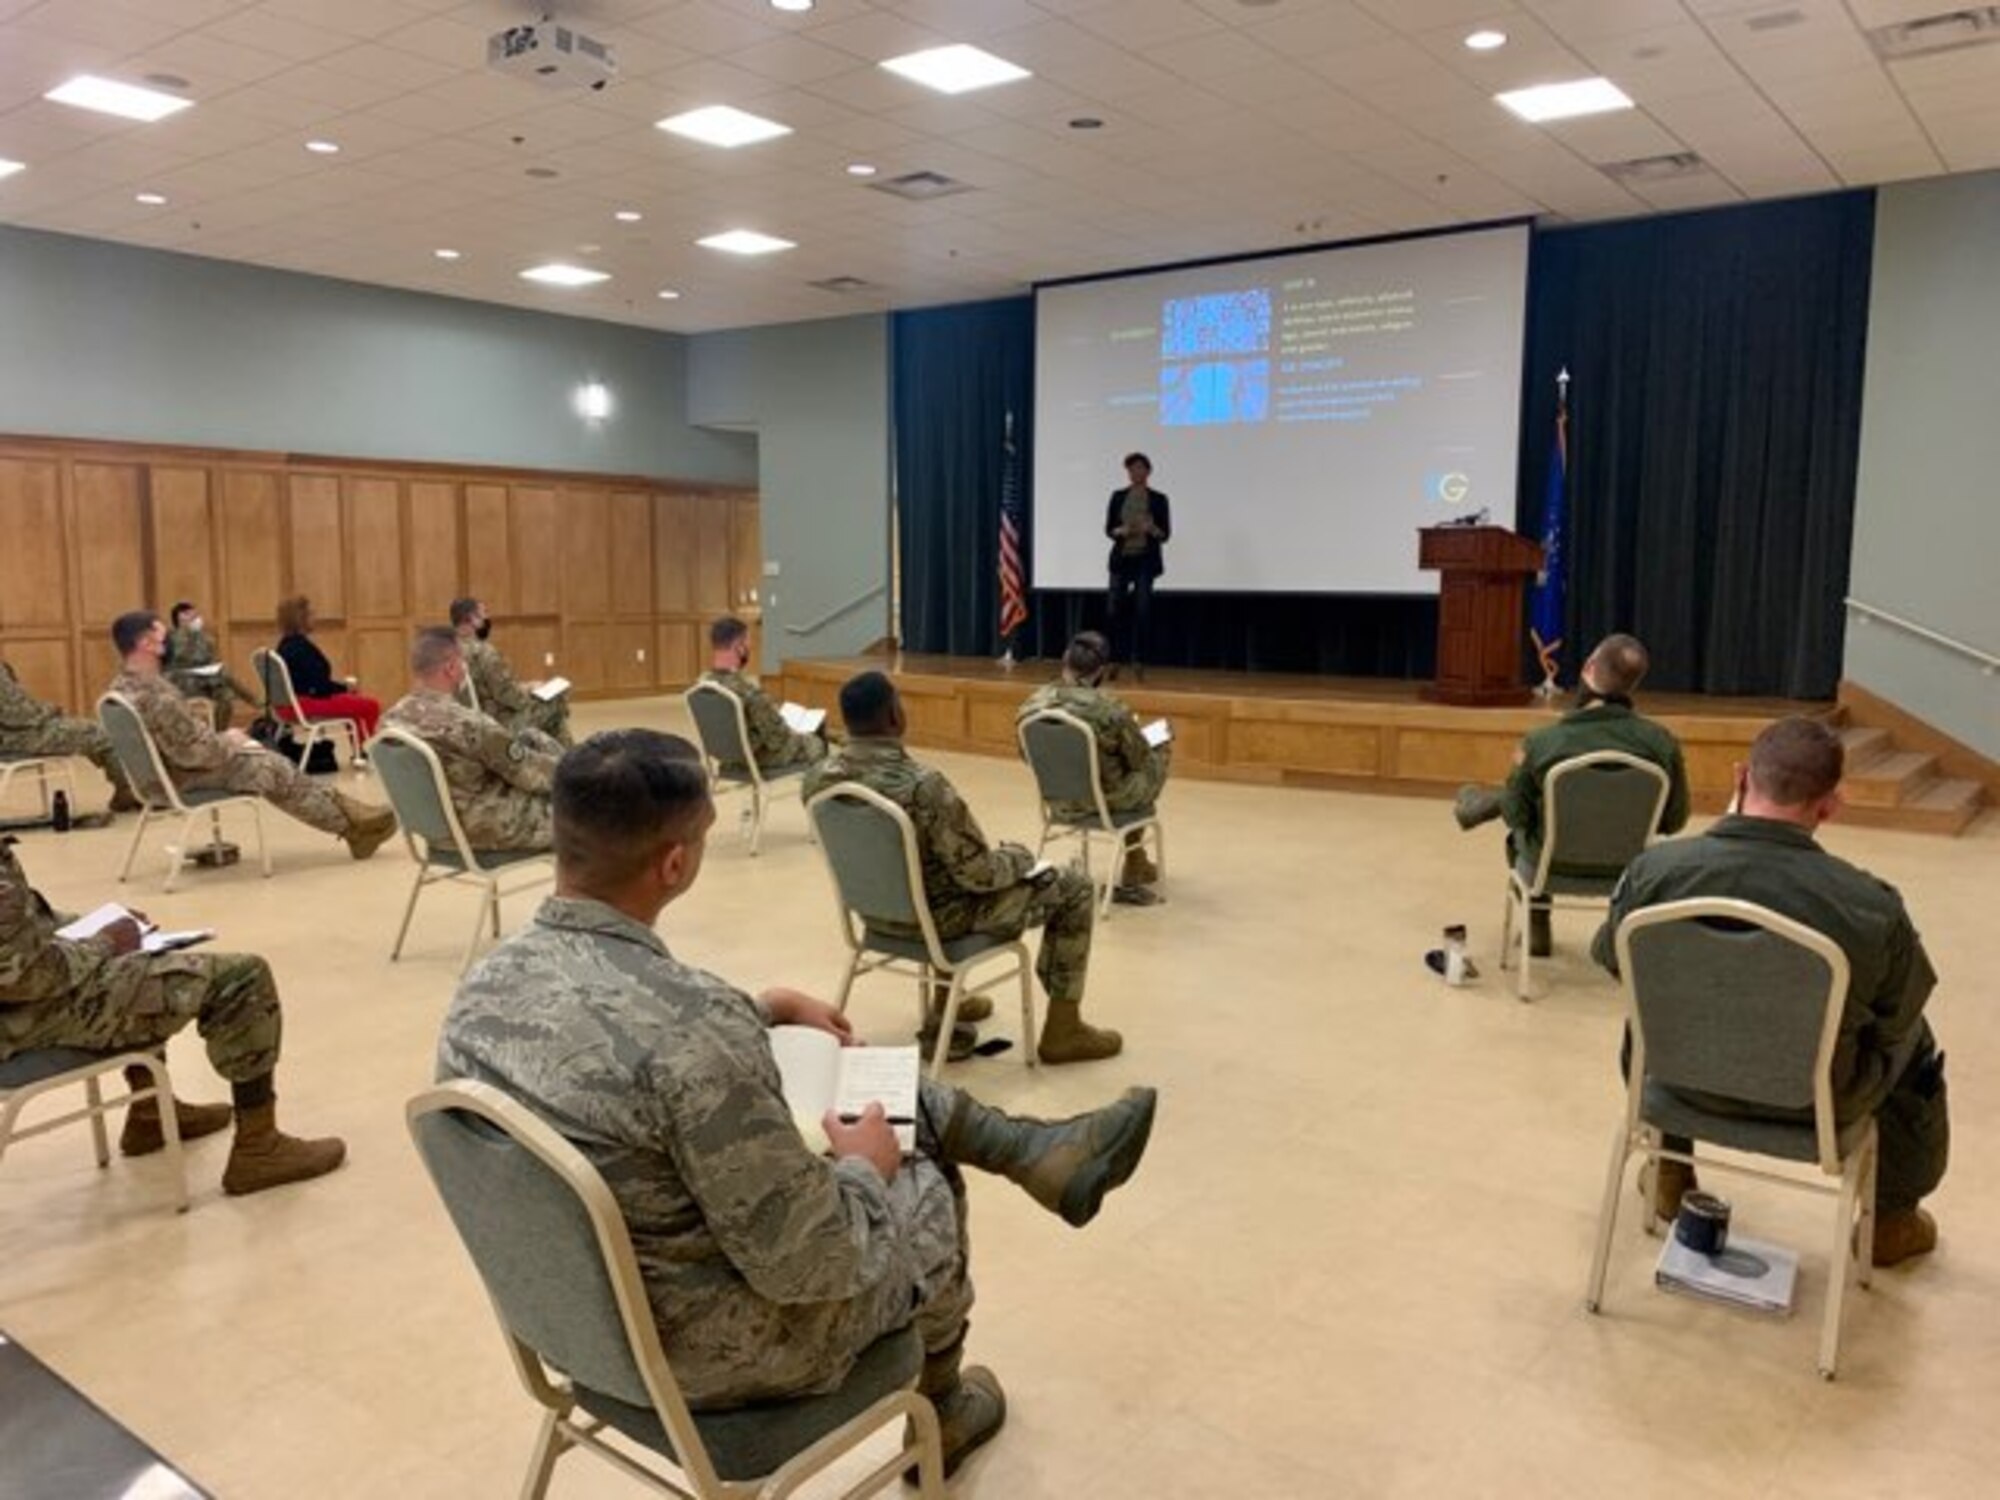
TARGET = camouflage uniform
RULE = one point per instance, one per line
(1886, 1062)
(188, 648)
(1599, 725)
(56, 993)
(505, 699)
(32, 728)
(971, 886)
(1133, 772)
(774, 743)
(500, 782)
(769, 1268)
(199, 759)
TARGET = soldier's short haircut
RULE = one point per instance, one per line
(175, 614)
(726, 631)
(463, 610)
(1087, 653)
(1621, 664)
(868, 703)
(621, 797)
(1796, 761)
(434, 646)
(131, 628)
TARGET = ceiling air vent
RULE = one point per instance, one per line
(1774, 20)
(1667, 168)
(1946, 31)
(921, 187)
(845, 285)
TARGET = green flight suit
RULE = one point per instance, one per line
(1886, 1062)
(1599, 725)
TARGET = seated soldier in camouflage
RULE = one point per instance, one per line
(500, 695)
(499, 780)
(191, 650)
(770, 1267)
(1132, 771)
(973, 886)
(775, 743)
(1604, 719)
(32, 729)
(105, 994)
(196, 757)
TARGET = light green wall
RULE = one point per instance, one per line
(1927, 510)
(107, 341)
(817, 396)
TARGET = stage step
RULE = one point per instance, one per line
(1892, 780)
(1946, 807)
(1865, 746)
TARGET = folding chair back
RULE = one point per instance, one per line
(1061, 750)
(718, 724)
(414, 780)
(137, 754)
(274, 676)
(1598, 812)
(871, 848)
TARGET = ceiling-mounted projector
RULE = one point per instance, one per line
(552, 55)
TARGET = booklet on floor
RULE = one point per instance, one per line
(820, 1075)
(1748, 1273)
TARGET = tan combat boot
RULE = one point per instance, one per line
(1139, 868)
(971, 1407)
(1067, 1166)
(143, 1135)
(368, 828)
(1663, 1183)
(971, 1008)
(1903, 1234)
(1068, 1038)
(265, 1157)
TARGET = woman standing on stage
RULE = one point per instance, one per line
(1138, 521)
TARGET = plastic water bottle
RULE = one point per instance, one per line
(1454, 955)
(59, 816)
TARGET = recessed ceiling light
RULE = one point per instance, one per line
(9, 168)
(795, 6)
(957, 69)
(126, 100)
(1486, 41)
(445, 254)
(745, 242)
(560, 273)
(1086, 122)
(151, 200)
(861, 169)
(323, 148)
(668, 294)
(628, 216)
(722, 125)
(1564, 101)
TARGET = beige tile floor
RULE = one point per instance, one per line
(1352, 1263)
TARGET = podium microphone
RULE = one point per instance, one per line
(1477, 518)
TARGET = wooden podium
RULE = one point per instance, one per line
(1479, 612)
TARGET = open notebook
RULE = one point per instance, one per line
(820, 1075)
(154, 941)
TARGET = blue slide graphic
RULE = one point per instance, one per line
(1228, 390)
(1221, 323)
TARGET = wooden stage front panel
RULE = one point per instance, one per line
(1286, 730)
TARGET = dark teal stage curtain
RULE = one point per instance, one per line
(1714, 436)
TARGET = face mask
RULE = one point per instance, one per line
(485, 629)
(196, 624)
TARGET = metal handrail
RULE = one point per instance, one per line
(828, 618)
(1870, 612)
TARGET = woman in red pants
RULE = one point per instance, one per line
(321, 694)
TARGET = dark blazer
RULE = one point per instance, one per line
(312, 673)
(1150, 564)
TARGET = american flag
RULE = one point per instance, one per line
(1013, 581)
(1551, 595)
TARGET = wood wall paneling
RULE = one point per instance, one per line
(111, 542)
(630, 665)
(253, 570)
(433, 553)
(586, 553)
(677, 663)
(183, 533)
(536, 523)
(489, 548)
(533, 651)
(374, 513)
(586, 651)
(44, 665)
(632, 555)
(746, 552)
(673, 554)
(712, 580)
(381, 660)
(34, 569)
(318, 558)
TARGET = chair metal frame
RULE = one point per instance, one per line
(1515, 926)
(721, 781)
(1853, 1184)
(430, 871)
(936, 965)
(16, 1098)
(564, 1428)
(152, 785)
(270, 667)
(1083, 829)
(44, 767)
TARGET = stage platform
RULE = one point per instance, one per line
(1357, 733)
